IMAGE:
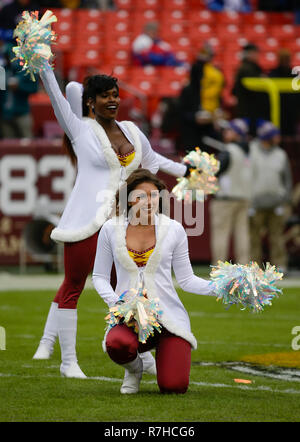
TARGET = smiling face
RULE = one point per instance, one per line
(106, 104)
(144, 202)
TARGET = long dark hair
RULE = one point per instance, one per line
(92, 86)
(137, 177)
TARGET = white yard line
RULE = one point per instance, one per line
(10, 282)
(196, 383)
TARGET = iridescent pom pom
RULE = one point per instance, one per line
(248, 285)
(137, 311)
(201, 181)
(34, 39)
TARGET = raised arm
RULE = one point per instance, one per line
(183, 270)
(68, 121)
(102, 269)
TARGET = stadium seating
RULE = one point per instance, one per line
(94, 40)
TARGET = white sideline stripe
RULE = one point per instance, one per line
(199, 384)
(9, 282)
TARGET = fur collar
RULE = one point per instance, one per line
(117, 174)
(162, 225)
(116, 177)
(109, 153)
(161, 228)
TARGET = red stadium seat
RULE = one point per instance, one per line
(267, 60)
(89, 41)
(228, 32)
(64, 42)
(138, 73)
(146, 15)
(64, 28)
(255, 32)
(184, 55)
(117, 28)
(117, 56)
(196, 5)
(293, 46)
(201, 16)
(112, 18)
(256, 17)
(146, 86)
(229, 18)
(296, 59)
(180, 43)
(147, 4)
(63, 14)
(269, 44)
(216, 43)
(283, 32)
(169, 88)
(89, 57)
(175, 4)
(86, 15)
(231, 60)
(179, 73)
(120, 41)
(173, 31)
(172, 80)
(125, 4)
(281, 18)
(173, 15)
(118, 71)
(88, 26)
(201, 32)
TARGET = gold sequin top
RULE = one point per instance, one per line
(126, 158)
(141, 258)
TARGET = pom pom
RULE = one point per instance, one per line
(34, 38)
(247, 285)
(135, 309)
(201, 181)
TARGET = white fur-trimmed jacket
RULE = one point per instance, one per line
(171, 251)
(99, 171)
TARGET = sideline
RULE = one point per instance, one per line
(196, 383)
(13, 282)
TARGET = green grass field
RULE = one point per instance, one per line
(33, 391)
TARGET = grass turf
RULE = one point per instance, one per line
(33, 391)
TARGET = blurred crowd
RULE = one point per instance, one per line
(243, 137)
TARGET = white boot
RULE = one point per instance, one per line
(133, 376)
(149, 365)
(67, 330)
(45, 348)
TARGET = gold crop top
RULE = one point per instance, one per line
(126, 158)
(141, 258)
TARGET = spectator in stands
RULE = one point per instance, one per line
(229, 208)
(200, 101)
(229, 5)
(15, 116)
(289, 102)
(271, 192)
(149, 49)
(10, 14)
(250, 104)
